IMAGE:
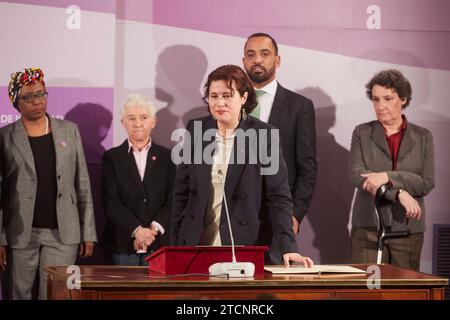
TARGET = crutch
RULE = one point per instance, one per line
(384, 231)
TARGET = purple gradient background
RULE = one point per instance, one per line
(325, 25)
(105, 6)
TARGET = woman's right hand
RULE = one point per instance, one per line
(410, 204)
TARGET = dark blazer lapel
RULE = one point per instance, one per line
(378, 136)
(20, 139)
(204, 169)
(277, 107)
(407, 143)
(130, 164)
(152, 157)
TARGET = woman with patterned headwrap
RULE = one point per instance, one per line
(46, 203)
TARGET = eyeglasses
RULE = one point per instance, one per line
(31, 97)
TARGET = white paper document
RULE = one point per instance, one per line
(315, 269)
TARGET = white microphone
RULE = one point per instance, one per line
(232, 269)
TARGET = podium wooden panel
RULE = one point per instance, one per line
(115, 282)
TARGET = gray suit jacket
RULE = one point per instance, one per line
(415, 172)
(18, 183)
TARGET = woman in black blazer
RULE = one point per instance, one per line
(241, 154)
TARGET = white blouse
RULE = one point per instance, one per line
(221, 158)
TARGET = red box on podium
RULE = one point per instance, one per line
(183, 260)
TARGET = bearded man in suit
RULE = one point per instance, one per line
(291, 113)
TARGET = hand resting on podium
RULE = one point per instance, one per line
(296, 257)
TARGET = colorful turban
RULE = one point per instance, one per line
(21, 78)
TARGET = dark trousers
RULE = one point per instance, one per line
(124, 259)
(402, 252)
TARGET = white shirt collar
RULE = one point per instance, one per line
(270, 88)
(146, 147)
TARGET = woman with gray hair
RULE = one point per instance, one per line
(137, 184)
(394, 152)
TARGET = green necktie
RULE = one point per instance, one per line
(257, 111)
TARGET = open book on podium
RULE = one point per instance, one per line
(319, 269)
(197, 259)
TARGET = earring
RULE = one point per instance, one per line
(244, 114)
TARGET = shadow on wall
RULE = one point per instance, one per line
(419, 77)
(94, 122)
(330, 208)
(180, 70)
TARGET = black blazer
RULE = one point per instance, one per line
(258, 204)
(129, 202)
(294, 115)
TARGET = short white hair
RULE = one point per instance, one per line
(138, 100)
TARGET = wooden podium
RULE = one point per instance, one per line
(196, 260)
(116, 282)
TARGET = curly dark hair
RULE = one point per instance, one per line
(232, 73)
(391, 79)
